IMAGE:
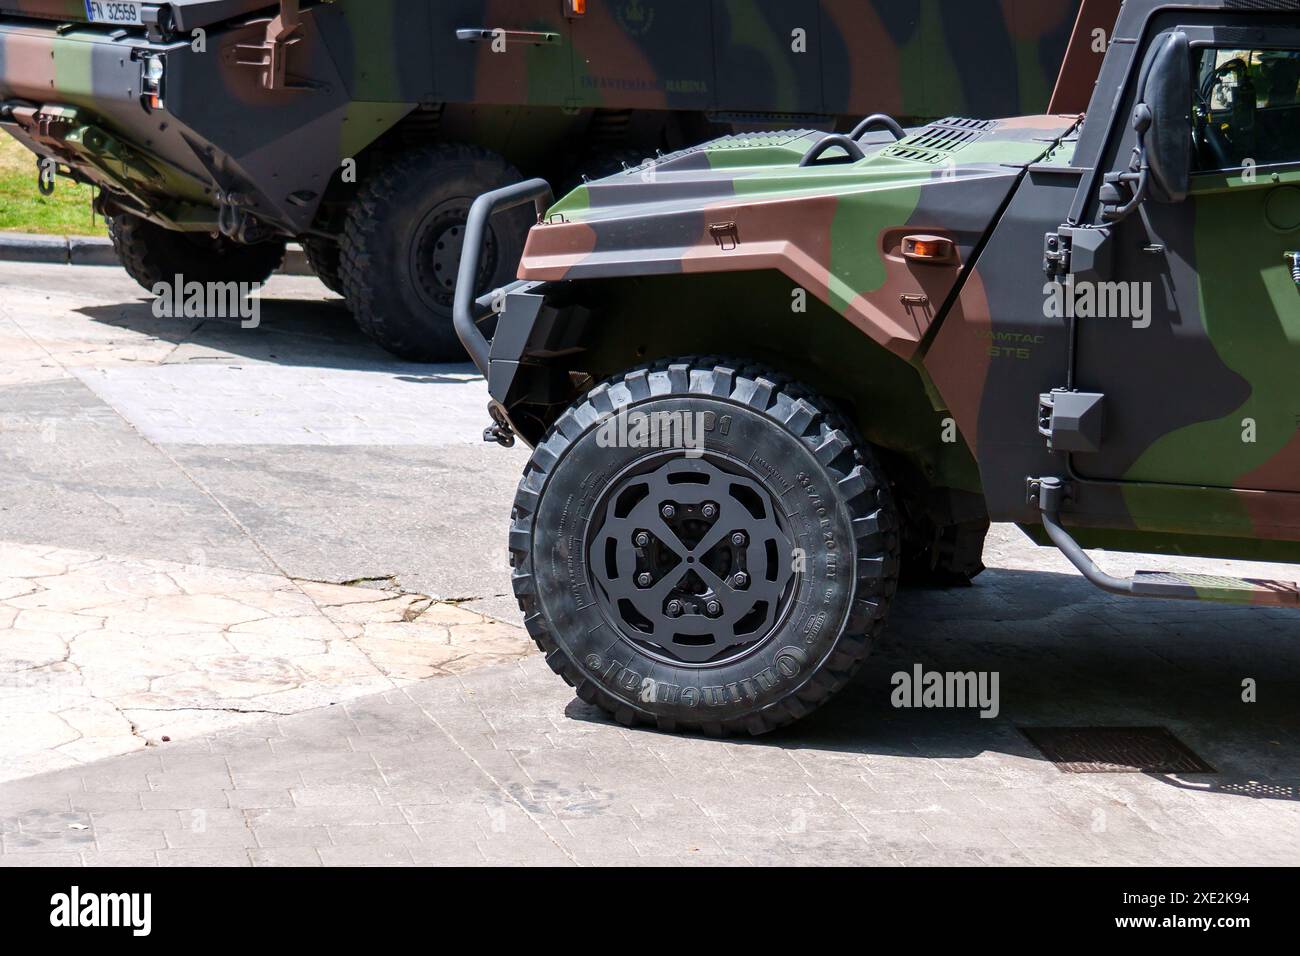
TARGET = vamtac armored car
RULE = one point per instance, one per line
(1088, 325)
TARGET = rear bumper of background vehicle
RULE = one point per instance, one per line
(214, 155)
(75, 95)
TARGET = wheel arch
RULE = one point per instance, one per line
(602, 327)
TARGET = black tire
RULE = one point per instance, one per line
(568, 510)
(323, 257)
(401, 246)
(151, 254)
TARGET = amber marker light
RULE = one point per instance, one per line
(576, 8)
(929, 249)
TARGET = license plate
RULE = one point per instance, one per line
(122, 12)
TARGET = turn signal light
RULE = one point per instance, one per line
(929, 249)
(577, 8)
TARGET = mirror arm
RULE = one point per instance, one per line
(1138, 179)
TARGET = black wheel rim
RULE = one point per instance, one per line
(436, 252)
(692, 560)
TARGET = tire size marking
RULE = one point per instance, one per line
(786, 667)
(825, 524)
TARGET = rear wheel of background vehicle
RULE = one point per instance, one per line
(403, 242)
(733, 584)
(151, 254)
(323, 258)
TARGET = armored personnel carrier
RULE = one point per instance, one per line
(215, 130)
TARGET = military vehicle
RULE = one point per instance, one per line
(767, 378)
(218, 129)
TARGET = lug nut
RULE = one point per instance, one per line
(739, 539)
(644, 579)
(741, 579)
(713, 609)
(669, 512)
(643, 540)
(709, 511)
(675, 609)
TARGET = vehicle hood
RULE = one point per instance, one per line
(743, 203)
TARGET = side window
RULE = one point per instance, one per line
(1247, 109)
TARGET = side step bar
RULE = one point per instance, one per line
(1158, 584)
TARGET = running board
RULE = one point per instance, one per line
(1210, 587)
(1158, 584)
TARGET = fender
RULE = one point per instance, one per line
(835, 227)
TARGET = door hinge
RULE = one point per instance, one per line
(1056, 255)
(1080, 251)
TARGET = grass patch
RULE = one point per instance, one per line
(23, 209)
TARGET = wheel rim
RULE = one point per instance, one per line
(691, 559)
(436, 253)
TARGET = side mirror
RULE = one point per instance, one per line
(1167, 104)
(1161, 167)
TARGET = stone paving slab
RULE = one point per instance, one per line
(263, 405)
(102, 655)
(433, 518)
(56, 319)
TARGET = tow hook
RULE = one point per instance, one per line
(235, 222)
(499, 431)
(46, 170)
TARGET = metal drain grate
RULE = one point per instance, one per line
(1115, 750)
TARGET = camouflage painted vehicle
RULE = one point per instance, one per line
(767, 378)
(218, 129)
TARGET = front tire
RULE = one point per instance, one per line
(753, 598)
(402, 245)
(152, 255)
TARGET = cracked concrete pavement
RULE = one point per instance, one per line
(254, 610)
(102, 655)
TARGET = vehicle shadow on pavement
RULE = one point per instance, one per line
(1066, 655)
(290, 332)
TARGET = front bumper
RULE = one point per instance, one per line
(497, 328)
